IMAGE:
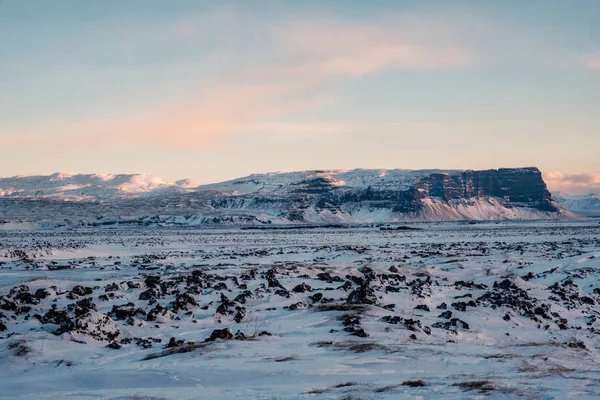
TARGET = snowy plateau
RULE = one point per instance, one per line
(307, 197)
(362, 284)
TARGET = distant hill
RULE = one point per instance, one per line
(588, 204)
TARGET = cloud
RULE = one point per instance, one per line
(584, 183)
(591, 60)
(284, 66)
(327, 48)
(223, 109)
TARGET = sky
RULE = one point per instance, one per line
(217, 90)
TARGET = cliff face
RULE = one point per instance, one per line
(515, 186)
(413, 195)
(522, 187)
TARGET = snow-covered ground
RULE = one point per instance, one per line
(447, 310)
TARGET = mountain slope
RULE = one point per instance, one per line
(316, 197)
(588, 204)
(88, 187)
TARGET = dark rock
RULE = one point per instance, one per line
(326, 276)
(315, 298)
(158, 310)
(412, 324)
(392, 289)
(587, 300)
(113, 287)
(241, 298)
(469, 285)
(303, 287)
(453, 324)
(272, 279)
(227, 306)
(133, 285)
(182, 301)
(239, 335)
(149, 294)
(124, 311)
(41, 294)
(152, 281)
(82, 290)
(360, 333)
(175, 343)
(362, 295)
(578, 344)
(296, 306)
(392, 319)
(223, 334)
(446, 315)
(240, 315)
(468, 295)
(25, 297)
(282, 293)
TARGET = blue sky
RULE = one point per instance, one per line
(215, 90)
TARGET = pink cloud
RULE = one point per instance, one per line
(304, 55)
(584, 183)
(591, 60)
(327, 48)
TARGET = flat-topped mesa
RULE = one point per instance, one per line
(393, 195)
(316, 197)
(516, 186)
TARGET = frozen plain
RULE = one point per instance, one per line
(323, 313)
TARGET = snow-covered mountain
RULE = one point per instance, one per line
(88, 187)
(317, 197)
(588, 204)
(282, 182)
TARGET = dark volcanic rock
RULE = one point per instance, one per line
(223, 334)
(303, 287)
(452, 325)
(158, 311)
(183, 301)
(362, 295)
(82, 290)
(315, 298)
(124, 311)
(175, 343)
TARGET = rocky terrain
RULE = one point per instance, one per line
(308, 197)
(450, 310)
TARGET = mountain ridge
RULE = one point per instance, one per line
(585, 204)
(131, 185)
(313, 196)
